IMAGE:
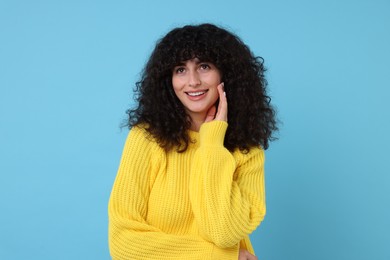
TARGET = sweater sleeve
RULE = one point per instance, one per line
(130, 236)
(226, 192)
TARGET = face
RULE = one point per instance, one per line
(195, 84)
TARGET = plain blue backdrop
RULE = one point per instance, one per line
(67, 69)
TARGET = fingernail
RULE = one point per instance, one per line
(224, 93)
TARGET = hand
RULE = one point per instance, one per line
(245, 255)
(219, 114)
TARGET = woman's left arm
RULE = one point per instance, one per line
(227, 192)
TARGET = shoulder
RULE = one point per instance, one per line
(254, 155)
(140, 140)
(139, 132)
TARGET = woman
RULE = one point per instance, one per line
(190, 184)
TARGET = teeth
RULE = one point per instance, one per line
(194, 94)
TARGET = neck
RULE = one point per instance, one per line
(196, 122)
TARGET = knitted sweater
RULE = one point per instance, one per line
(199, 204)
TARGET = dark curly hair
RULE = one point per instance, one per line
(250, 115)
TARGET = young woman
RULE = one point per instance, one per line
(190, 183)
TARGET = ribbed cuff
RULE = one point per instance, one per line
(213, 133)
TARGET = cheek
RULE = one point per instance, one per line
(215, 79)
(177, 83)
(214, 95)
(174, 83)
(176, 87)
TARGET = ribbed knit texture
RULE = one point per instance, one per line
(200, 204)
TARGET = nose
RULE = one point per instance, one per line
(193, 80)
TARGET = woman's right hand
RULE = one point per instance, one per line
(245, 255)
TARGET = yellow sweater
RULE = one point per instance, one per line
(200, 204)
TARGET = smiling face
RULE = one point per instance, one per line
(195, 84)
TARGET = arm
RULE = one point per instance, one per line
(130, 236)
(227, 194)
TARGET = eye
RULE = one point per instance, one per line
(179, 70)
(204, 66)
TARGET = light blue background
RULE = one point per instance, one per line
(67, 69)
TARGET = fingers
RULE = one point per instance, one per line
(222, 105)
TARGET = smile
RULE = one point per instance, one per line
(196, 94)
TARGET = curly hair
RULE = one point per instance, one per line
(251, 117)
